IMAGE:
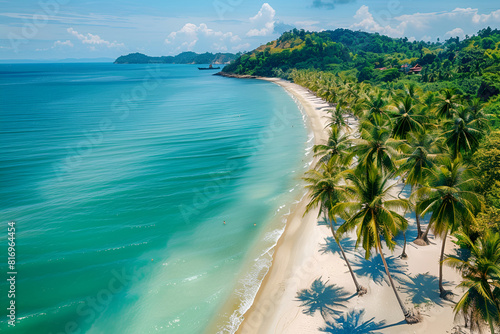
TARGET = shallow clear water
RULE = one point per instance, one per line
(119, 178)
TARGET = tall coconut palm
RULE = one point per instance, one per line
(377, 147)
(428, 106)
(376, 104)
(406, 119)
(390, 90)
(477, 117)
(428, 102)
(451, 201)
(337, 116)
(337, 148)
(325, 191)
(446, 103)
(481, 276)
(421, 152)
(461, 134)
(411, 90)
(371, 211)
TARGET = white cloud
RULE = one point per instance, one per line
(263, 22)
(425, 26)
(308, 25)
(201, 37)
(241, 47)
(367, 22)
(457, 32)
(56, 44)
(61, 43)
(93, 40)
(486, 18)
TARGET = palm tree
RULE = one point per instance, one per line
(325, 191)
(428, 102)
(419, 161)
(337, 147)
(481, 275)
(446, 103)
(377, 147)
(406, 119)
(451, 200)
(411, 90)
(375, 104)
(461, 135)
(477, 117)
(390, 90)
(371, 211)
(337, 116)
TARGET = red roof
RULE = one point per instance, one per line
(416, 68)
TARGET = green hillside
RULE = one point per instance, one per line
(470, 65)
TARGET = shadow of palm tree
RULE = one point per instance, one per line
(323, 298)
(411, 232)
(352, 323)
(422, 288)
(324, 222)
(461, 253)
(330, 246)
(374, 267)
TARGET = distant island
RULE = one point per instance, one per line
(182, 58)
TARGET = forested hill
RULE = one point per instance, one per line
(182, 58)
(467, 64)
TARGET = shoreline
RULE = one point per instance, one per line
(298, 229)
(300, 257)
(235, 308)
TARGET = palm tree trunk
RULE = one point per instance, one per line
(419, 228)
(421, 237)
(361, 290)
(442, 291)
(409, 317)
(423, 240)
(403, 254)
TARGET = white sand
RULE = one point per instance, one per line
(298, 261)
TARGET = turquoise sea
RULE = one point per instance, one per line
(119, 179)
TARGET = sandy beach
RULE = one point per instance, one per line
(304, 254)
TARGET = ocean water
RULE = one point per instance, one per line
(119, 179)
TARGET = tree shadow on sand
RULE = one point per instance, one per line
(326, 299)
(330, 246)
(462, 251)
(352, 323)
(324, 222)
(411, 233)
(374, 267)
(422, 288)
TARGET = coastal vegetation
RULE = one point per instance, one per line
(432, 128)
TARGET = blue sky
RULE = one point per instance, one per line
(57, 29)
